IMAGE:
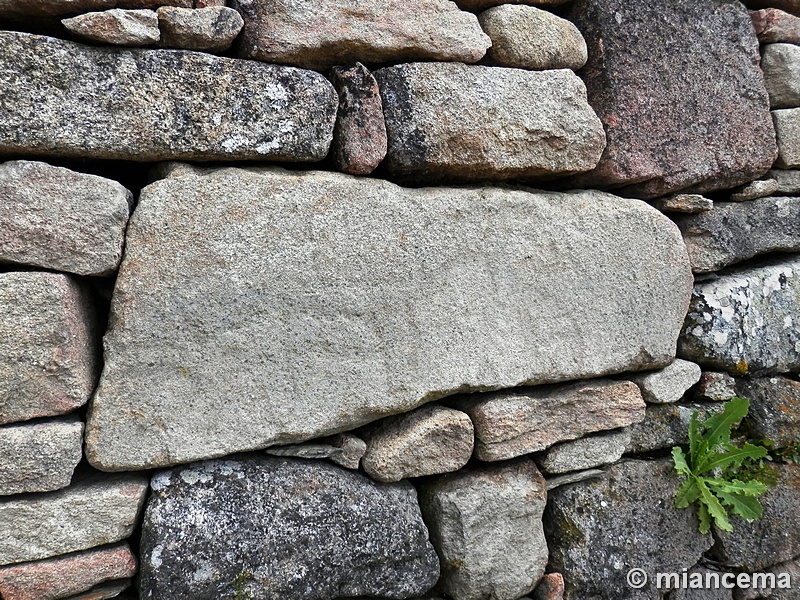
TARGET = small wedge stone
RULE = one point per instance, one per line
(670, 383)
(116, 26)
(684, 203)
(211, 29)
(755, 190)
(585, 453)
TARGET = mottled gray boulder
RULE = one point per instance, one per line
(787, 133)
(665, 426)
(683, 203)
(93, 511)
(788, 181)
(745, 321)
(486, 525)
(696, 588)
(529, 38)
(59, 219)
(774, 409)
(39, 457)
(668, 384)
(276, 528)
(754, 190)
(715, 386)
(117, 26)
(585, 453)
(454, 122)
(57, 8)
(48, 349)
(227, 334)
(319, 34)
(599, 529)
(509, 424)
(773, 25)
(772, 539)
(784, 591)
(430, 440)
(701, 121)
(177, 105)
(65, 576)
(781, 66)
(211, 29)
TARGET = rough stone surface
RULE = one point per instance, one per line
(599, 529)
(774, 409)
(788, 181)
(430, 440)
(684, 203)
(665, 426)
(787, 132)
(529, 38)
(773, 25)
(509, 424)
(668, 384)
(585, 453)
(486, 525)
(353, 450)
(684, 107)
(226, 338)
(359, 138)
(346, 31)
(48, 354)
(66, 575)
(344, 449)
(58, 219)
(781, 66)
(792, 568)
(39, 457)
(177, 105)
(91, 512)
(772, 539)
(755, 190)
(790, 6)
(573, 477)
(211, 29)
(117, 26)
(551, 587)
(695, 593)
(480, 5)
(276, 528)
(454, 122)
(57, 8)
(745, 321)
(715, 386)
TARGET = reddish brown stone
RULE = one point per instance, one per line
(551, 587)
(773, 25)
(66, 575)
(792, 6)
(684, 106)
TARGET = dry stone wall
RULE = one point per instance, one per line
(325, 300)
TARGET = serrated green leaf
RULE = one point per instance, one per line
(718, 426)
(695, 439)
(746, 507)
(687, 493)
(733, 456)
(752, 488)
(705, 518)
(679, 458)
(715, 509)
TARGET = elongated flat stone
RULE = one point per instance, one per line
(262, 306)
(54, 8)
(585, 453)
(66, 99)
(117, 26)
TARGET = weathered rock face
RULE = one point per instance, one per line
(790, 6)
(666, 425)
(59, 219)
(211, 29)
(744, 321)
(781, 66)
(787, 132)
(715, 386)
(486, 525)
(479, 5)
(277, 528)
(56, 8)
(683, 203)
(509, 424)
(453, 122)
(263, 306)
(116, 26)
(775, 26)
(65, 576)
(346, 31)
(39, 457)
(599, 529)
(57, 101)
(668, 384)
(529, 38)
(774, 409)
(48, 353)
(788, 181)
(585, 453)
(710, 593)
(650, 73)
(100, 510)
(754, 190)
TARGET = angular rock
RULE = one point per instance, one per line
(774, 26)
(211, 29)
(715, 386)
(734, 231)
(454, 122)
(177, 105)
(39, 457)
(573, 477)
(774, 409)
(276, 528)
(58, 8)
(772, 539)
(486, 525)
(225, 339)
(60, 219)
(790, 568)
(670, 383)
(344, 449)
(353, 450)
(585, 453)
(92, 512)
(551, 587)
(700, 122)
(209, 3)
(683, 203)
(754, 190)
(599, 529)
(509, 424)
(790, 6)
(529, 38)
(66, 575)
(787, 132)
(744, 321)
(788, 181)
(781, 66)
(430, 440)
(117, 26)
(479, 5)
(699, 575)
(666, 425)
(48, 351)
(359, 138)
(347, 31)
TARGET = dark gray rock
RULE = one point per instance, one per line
(276, 528)
(665, 426)
(715, 386)
(684, 107)
(163, 104)
(774, 409)
(786, 590)
(699, 575)
(599, 529)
